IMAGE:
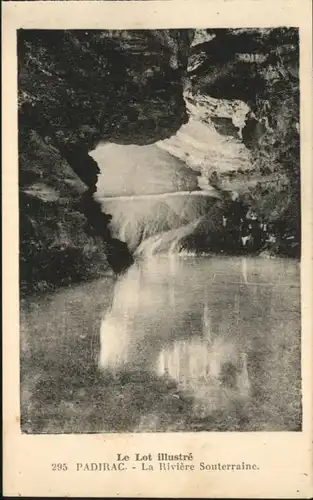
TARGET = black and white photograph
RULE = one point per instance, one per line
(159, 230)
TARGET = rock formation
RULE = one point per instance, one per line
(80, 87)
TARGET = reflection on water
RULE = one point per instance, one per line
(213, 374)
(221, 328)
(185, 344)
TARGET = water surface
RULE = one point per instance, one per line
(176, 344)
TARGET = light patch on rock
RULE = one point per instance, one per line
(199, 144)
(202, 36)
(43, 192)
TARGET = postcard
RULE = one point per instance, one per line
(157, 200)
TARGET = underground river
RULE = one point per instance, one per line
(177, 343)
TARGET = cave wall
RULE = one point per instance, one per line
(261, 68)
(80, 87)
(77, 88)
(123, 86)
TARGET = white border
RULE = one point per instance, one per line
(285, 459)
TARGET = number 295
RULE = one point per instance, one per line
(59, 467)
